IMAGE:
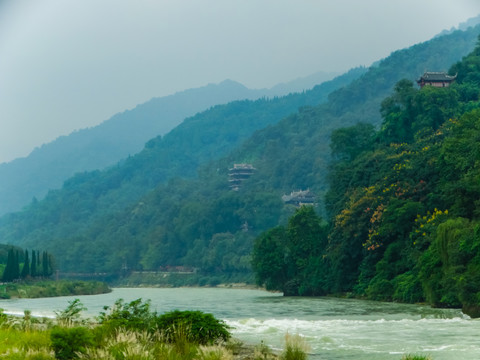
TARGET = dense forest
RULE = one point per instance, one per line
(402, 207)
(203, 137)
(125, 134)
(17, 264)
(171, 204)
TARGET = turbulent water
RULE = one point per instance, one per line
(333, 328)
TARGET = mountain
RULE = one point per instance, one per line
(300, 84)
(100, 221)
(402, 205)
(205, 136)
(103, 145)
(124, 134)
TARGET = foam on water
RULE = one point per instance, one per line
(382, 338)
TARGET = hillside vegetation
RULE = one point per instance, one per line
(105, 221)
(403, 205)
(89, 196)
(124, 134)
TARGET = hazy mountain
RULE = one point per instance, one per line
(124, 134)
(99, 220)
(472, 22)
(300, 84)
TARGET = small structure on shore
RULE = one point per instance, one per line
(436, 79)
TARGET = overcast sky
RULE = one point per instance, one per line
(70, 64)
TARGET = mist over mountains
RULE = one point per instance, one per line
(154, 209)
(124, 134)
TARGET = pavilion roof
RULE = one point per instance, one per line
(436, 76)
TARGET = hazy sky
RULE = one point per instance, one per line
(70, 64)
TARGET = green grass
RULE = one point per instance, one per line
(50, 288)
(20, 344)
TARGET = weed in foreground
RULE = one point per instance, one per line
(263, 352)
(296, 348)
(416, 357)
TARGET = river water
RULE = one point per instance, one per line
(333, 328)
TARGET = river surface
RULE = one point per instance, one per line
(334, 328)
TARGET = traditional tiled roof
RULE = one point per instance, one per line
(436, 76)
(299, 197)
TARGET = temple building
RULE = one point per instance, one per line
(238, 174)
(437, 79)
(299, 198)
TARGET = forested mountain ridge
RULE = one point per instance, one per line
(403, 208)
(124, 134)
(200, 222)
(205, 136)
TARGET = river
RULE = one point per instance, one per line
(334, 328)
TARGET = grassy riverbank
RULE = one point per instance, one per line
(51, 288)
(181, 279)
(124, 331)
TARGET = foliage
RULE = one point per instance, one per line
(48, 288)
(12, 271)
(295, 348)
(263, 352)
(135, 315)
(416, 357)
(290, 259)
(199, 327)
(404, 211)
(69, 342)
(71, 316)
(170, 206)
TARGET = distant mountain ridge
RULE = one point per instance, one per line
(124, 134)
(152, 210)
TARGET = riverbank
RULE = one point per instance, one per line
(50, 288)
(126, 328)
(175, 279)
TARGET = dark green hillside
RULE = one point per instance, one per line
(123, 134)
(403, 204)
(205, 136)
(200, 222)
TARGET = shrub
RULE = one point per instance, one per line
(135, 315)
(68, 342)
(263, 352)
(71, 316)
(202, 328)
(296, 348)
(214, 353)
(3, 318)
(416, 357)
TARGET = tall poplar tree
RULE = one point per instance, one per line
(33, 267)
(16, 265)
(26, 266)
(8, 272)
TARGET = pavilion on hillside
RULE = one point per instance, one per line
(436, 79)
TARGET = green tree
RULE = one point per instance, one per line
(398, 114)
(8, 272)
(349, 142)
(33, 267)
(290, 259)
(268, 259)
(307, 239)
(26, 266)
(16, 265)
